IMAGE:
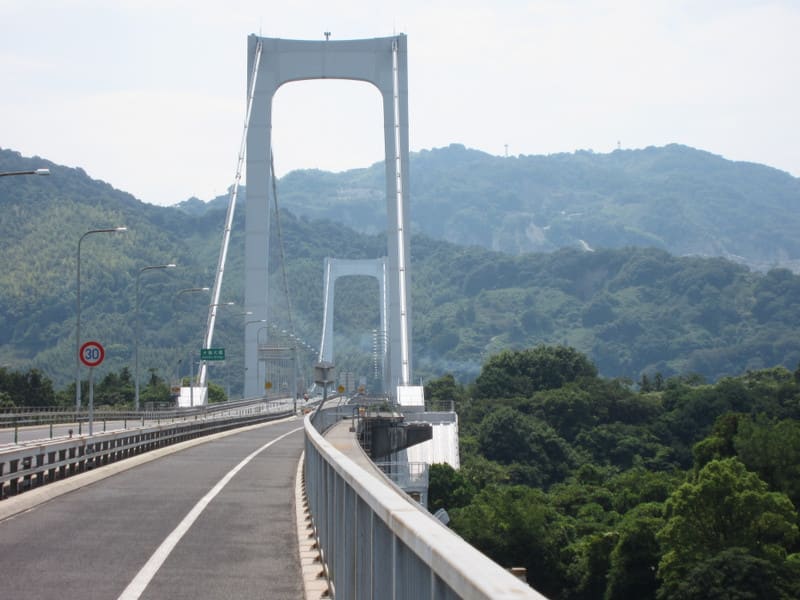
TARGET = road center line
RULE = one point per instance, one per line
(139, 583)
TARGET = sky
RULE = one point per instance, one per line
(150, 95)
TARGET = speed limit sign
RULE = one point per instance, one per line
(92, 354)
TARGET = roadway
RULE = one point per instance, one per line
(203, 522)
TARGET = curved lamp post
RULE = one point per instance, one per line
(191, 366)
(136, 332)
(32, 172)
(187, 291)
(78, 313)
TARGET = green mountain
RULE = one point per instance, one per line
(632, 310)
(682, 200)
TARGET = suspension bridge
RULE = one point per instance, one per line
(260, 499)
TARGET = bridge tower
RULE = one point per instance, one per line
(340, 267)
(383, 63)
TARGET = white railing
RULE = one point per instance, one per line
(376, 543)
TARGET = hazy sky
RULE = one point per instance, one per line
(149, 95)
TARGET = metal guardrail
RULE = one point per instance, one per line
(24, 416)
(31, 465)
(376, 543)
(408, 474)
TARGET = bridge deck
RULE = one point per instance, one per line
(94, 541)
(344, 440)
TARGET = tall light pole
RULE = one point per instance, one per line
(78, 313)
(187, 291)
(136, 332)
(246, 323)
(174, 301)
(190, 361)
(31, 172)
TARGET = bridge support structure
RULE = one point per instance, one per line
(383, 63)
(340, 267)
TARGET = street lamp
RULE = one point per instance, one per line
(246, 323)
(189, 290)
(136, 332)
(190, 362)
(78, 314)
(31, 172)
(224, 304)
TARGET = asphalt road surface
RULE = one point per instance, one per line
(212, 521)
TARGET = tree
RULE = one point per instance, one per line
(568, 409)
(515, 526)
(723, 507)
(633, 561)
(538, 453)
(773, 451)
(116, 388)
(30, 388)
(216, 393)
(448, 488)
(157, 390)
(444, 390)
(736, 574)
(719, 444)
(503, 436)
(6, 401)
(520, 373)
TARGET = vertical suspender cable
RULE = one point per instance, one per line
(226, 237)
(280, 246)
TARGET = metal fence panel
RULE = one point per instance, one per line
(397, 550)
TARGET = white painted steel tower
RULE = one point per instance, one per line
(383, 63)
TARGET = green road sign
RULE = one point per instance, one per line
(212, 353)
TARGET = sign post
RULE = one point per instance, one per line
(323, 375)
(212, 353)
(92, 354)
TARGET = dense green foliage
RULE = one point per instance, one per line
(605, 491)
(25, 389)
(637, 313)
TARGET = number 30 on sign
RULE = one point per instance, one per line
(92, 354)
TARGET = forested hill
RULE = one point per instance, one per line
(633, 311)
(676, 198)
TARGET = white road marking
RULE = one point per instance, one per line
(139, 583)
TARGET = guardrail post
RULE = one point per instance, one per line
(16, 430)
(51, 431)
(13, 484)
